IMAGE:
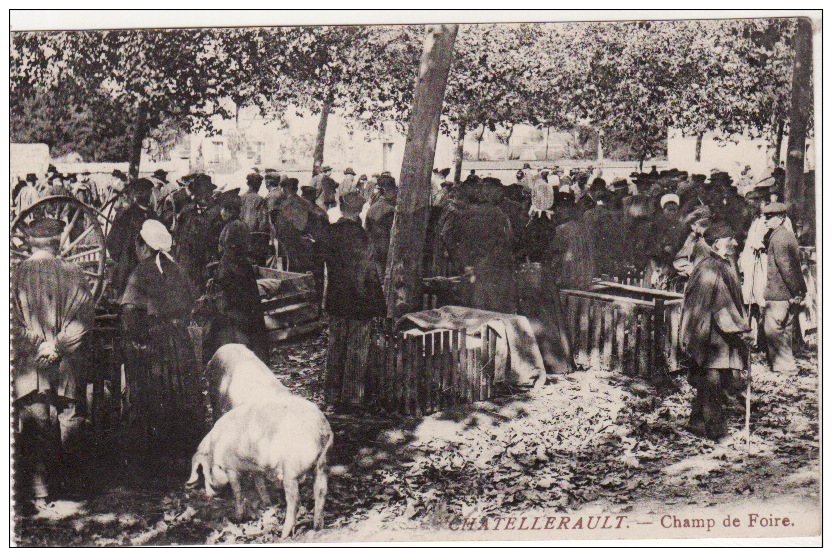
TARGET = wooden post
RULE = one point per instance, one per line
(461, 370)
(606, 356)
(403, 278)
(658, 364)
(802, 102)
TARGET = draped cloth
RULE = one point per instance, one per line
(51, 302)
(164, 380)
(713, 316)
(519, 360)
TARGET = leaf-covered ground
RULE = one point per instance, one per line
(590, 440)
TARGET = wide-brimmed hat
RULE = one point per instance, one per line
(775, 208)
(201, 184)
(349, 171)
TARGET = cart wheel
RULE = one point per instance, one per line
(82, 241)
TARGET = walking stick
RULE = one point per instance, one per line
(747, 404)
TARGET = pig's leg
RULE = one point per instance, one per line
(260, 484)
(320, 489)
(290, 487)
(239, 502)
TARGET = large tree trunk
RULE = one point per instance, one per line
(403, 279)
(139, 133)
(546, 154)
(460, 142)
(801, 109)
(318, 156)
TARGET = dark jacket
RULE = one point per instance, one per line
(379, 226)
(353, 286)
(570, 255)
(785, 279)
(121, 243)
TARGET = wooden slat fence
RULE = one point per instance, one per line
(371, 363)
(635, 336)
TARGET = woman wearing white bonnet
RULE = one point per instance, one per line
(163, 379)
(670, 197)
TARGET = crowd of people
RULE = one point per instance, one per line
(184, 248)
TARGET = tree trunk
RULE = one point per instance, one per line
(600, 146)
(546, 154)
(508, 142)
(479, 143)
(403, 278)
(460, 142)
(139, 133)
(699, 137)
(778, 145)
(801, 109)
(318, 156)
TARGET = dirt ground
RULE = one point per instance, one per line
(589, 441)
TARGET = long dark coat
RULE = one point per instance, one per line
(196, 241)
(121, 243)
(484, 243)
(379, 226)
(353, 285)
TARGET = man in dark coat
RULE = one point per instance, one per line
(484, 250)
(380, 221)
(121, 239)
(239, 317)
(353, 285)
(194, 236)
(317, 230)
(712, 330)
(290, 220)
(605, 226)
(785, 288)
(328, 191)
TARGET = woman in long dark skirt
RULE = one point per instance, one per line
(164, 380)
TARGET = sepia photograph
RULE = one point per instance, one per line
(414, 276)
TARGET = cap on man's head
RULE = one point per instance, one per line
(326, 169)
(349, 171)
(363, 177)
(698, 214)
(254, 179)
(202, 185)
(308, 192)
(351, 203)
(230, 199)
(619, 184)
(290, 183)
(445, 171)
(775, 208)
(386, 182)
(272, 178)
(717, 231)
(31, 177)
(527, 166)
(140, 186)
(160, 173)
(44, 228)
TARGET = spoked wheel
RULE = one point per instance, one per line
(82, 241)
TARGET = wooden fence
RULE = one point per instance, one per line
(371, 363)
(623, 328)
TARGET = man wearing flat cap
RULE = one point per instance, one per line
(196, 236)
(348, 184)
(253, 214)
(713, 331)
(785, 288)
(328, 189)
(125, 230)
(52, 310)
(379, 221)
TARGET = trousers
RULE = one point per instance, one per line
(44, 422)
(778, 324)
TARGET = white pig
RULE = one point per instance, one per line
(236, 376)
(284, 440)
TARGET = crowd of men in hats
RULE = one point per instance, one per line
(176, 244)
